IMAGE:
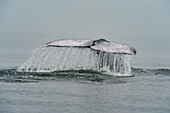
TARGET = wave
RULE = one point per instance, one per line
(13, 71)
(11, 75)
(162, 71)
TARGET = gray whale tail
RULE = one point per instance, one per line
(98, 45)
(96, 55)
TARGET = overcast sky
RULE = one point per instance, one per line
(86, 18)
(143, 24)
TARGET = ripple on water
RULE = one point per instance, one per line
(12, 76)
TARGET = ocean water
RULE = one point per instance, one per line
(146, 91)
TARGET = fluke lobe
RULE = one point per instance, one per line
(98, 45)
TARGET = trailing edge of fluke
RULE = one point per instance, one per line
(98, 45)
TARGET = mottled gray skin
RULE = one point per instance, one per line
(100, 45)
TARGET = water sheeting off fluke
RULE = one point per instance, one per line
(98, 55)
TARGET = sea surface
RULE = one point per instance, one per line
(147, 90)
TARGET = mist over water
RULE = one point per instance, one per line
(27, 25)
(143, 24)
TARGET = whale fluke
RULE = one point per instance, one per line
(96, 55)
(98, 45)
